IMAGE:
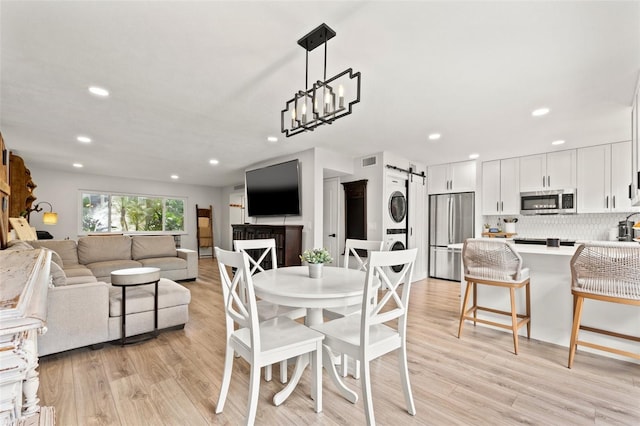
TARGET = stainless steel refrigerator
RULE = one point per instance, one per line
(451, 220)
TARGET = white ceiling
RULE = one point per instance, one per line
(191, 81)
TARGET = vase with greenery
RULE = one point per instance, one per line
(316, 258)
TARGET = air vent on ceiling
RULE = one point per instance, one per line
(369, 161)
(238, 187)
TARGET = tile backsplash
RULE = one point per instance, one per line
(573, 227)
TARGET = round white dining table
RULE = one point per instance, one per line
(292, 286)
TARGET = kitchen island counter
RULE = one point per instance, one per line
(552, 302)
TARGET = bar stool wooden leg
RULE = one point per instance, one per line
(578, 302)
(514, 319)
(475, 303)
(528, 304)
(464, 308)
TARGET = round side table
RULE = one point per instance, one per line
(133, 277)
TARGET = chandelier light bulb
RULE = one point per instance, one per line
(327, 102)
(304, 112)
(341, 96)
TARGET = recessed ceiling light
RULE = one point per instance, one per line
(175, 177)
(83, 139)
(558, 142)
(434, 136)
(99, 91)
(213, 161)
(78, 165)
(272, 139)
(474, 156)
(540, 111)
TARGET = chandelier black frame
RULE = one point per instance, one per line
(332, 105)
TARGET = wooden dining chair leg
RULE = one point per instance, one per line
(575, 328)
(528, 307)
(226, 380)
(464, 308)
(514, 319)
(254, 392)
(404, 378)
(283, 371)
(367, 398)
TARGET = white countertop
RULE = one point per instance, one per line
(538, 249)
(535, 249)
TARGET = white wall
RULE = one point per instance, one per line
(315, 163)
(62, 189)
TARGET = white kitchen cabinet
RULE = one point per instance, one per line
(635, 147)
(553, 170)
(452, 177)
(621, 167)
(501, 187)
(604, 175)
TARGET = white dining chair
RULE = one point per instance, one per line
(262, 255)
(351, 248)
(260, 343)
(381, 326)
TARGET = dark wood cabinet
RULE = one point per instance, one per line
(288, 240)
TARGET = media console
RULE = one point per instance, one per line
(288, 240)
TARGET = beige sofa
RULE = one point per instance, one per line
(85, 309)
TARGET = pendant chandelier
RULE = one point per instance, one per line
(325, 101)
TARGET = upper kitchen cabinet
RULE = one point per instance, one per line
(604, 175)
(501, 187)
(635, 147)
(453, 177)
(620, 177)
(553, 170)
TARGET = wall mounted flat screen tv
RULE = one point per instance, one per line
(274, 190)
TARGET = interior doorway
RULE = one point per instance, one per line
(330, 226)
(236, 212)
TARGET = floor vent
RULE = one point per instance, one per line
(369, 161)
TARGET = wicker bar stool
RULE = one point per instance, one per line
(609, 272)
(494, 262)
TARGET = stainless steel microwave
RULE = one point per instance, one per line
(559, 201)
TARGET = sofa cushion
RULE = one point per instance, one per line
(77, 271)
(103, 248)
(57, 275)
(150, 246)
(165, 263)
(66, 249)
(81, 280)
(103, 269)
(55, 258)
(140, 299)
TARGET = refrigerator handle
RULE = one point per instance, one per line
(450, 215)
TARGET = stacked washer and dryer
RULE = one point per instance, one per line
(395, 216)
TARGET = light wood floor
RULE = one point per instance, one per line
(175, 379)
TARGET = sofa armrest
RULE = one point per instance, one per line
(77, 316)
(191, 256)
